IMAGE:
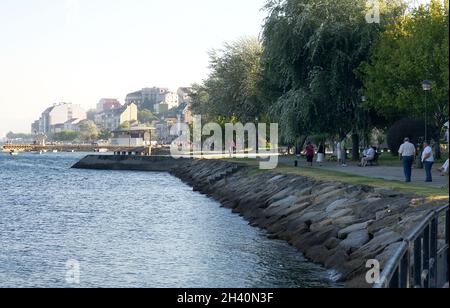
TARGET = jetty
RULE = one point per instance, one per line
(69, 148)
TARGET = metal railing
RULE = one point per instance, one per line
(419, 262)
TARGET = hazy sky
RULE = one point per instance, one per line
(82, 50)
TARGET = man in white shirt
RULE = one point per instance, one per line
(428, 161)
(407, 153)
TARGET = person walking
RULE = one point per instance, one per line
(407, 154)
(321, 154)
(310, 153)
(428, 161)
(444, 169)
(344, 152)
(231, 147)
(339, 153)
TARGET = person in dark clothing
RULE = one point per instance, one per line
(310, 153)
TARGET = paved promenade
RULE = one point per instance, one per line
(381, 172)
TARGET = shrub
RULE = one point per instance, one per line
(413, 129)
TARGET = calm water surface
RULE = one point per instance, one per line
(130, 229)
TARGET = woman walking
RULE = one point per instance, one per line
(310, 153)
(339, 153)
(321, 154)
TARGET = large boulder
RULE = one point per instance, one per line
(337, 259)
(336, 205)
(353, 228)
(377, 245)
(340, 213)
(332, 243)
(354, 241)
(318, 254)
(346, 221)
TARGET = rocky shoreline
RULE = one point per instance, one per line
(337, 225)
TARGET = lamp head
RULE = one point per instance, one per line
(427, 85)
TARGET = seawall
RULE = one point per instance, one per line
(133, 163)
(340, 226)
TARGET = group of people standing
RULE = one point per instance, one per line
(408, 154)
(341, 153)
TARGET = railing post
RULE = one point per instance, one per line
(418, 263)
(433, 253)
(404, 271)
(426, 258)
(447, 235)
(395, 281)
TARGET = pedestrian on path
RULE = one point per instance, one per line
(339, 152)
(428, 161)
(444, 169)
(321, 154)
(310, 153)
(231, 147)
(407, 154)
(344, 152)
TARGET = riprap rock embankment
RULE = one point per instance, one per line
(340, 226)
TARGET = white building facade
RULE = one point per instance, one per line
(57, 116)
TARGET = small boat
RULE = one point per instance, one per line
(13, 153)
(55, 151)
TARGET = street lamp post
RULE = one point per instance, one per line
(426, 86)
(366, 120)
(257, 135)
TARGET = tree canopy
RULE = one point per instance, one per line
(88, 131)
(413, 49)
(231, 88)
(66, 135)
(321, 68)
(311, 51)
(146, 116)
(12, 135)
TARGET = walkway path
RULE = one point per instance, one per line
(381, 172)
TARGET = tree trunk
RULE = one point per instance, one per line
(437, 150)
(355, 147)
(300, 145)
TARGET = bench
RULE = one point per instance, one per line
(332, 158)
(375, 161)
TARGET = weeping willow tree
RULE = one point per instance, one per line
(312, 49)
(230, 92)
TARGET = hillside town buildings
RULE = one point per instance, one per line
(152, 98)
(106, 104)
(112, 119)
(110, 115)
